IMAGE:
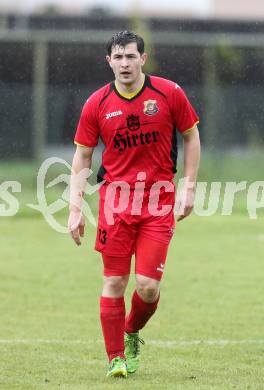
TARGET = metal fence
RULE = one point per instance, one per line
(45, 76)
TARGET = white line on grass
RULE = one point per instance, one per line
(171, 343)
(158, 343)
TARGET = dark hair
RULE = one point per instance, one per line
(123, 38)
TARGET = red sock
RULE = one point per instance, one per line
(140, 313)
(112, 313)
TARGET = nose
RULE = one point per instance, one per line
(124, 62)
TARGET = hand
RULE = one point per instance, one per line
(76, 223)
(184, 203)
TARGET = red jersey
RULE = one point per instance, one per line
(139, 134)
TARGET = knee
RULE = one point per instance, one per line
(147, 288)
(115, 285)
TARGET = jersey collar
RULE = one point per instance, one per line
(135, 94)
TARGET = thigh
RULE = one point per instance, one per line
(117, 239)
(116, 265)
(150, 257)
(159, 226)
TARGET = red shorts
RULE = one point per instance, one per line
(145, 231)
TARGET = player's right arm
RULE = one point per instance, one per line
(82, 159)
(86, 139)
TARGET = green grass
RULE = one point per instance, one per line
(50, 336)
(212, 290)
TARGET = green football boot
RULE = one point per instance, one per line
(132, 351)
(117, 368)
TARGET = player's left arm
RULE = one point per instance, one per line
(191, 149)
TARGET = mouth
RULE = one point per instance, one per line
(125, 73)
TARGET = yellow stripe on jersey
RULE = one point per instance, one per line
(130, 95)
(84, 146)
(189, 130)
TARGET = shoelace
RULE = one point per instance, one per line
(141, 341)
(116, 359)
(135, 343)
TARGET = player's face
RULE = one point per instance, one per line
(126, 63)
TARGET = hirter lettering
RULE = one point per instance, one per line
(122, 142)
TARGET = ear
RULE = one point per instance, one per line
(144, 58)
(108, 59)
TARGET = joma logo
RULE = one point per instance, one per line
(112, 114)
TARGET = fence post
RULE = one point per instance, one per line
(40, 72)
(210, 97)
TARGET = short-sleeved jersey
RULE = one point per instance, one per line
(139, 134)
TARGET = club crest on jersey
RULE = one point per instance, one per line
(133, 122)
(150, 107)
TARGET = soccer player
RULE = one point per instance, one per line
(137, 117)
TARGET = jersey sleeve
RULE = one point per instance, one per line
(87, 133)
(184, 115)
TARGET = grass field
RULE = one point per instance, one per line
(207, 333)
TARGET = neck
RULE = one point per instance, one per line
(130, 88)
